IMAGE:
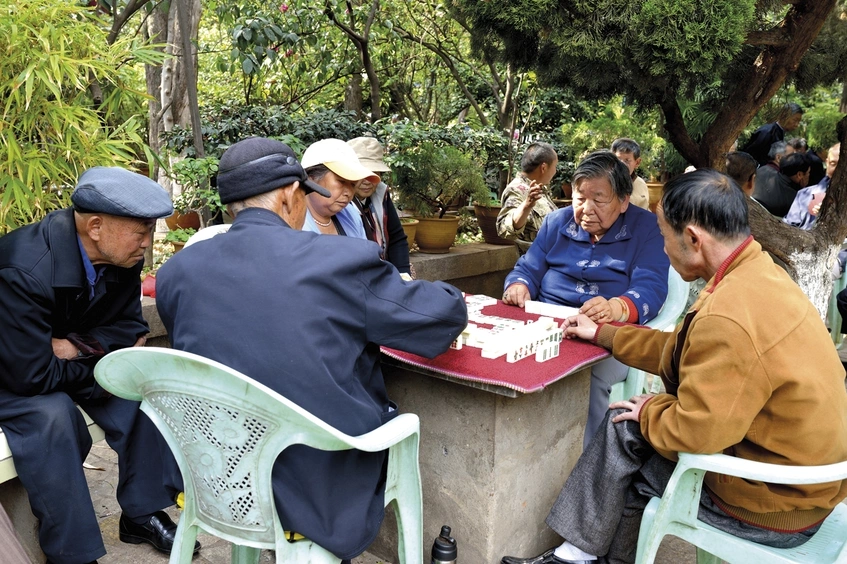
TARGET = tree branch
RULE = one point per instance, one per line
(677, 132)
(772, 37)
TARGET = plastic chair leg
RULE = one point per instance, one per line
(704, 557)
(245, 554)
(183, 549)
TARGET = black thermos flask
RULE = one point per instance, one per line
(444, 548)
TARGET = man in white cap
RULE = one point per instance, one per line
(305, 314)
(70, 293)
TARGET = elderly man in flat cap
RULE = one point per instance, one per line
(304, 314)
(70, 293)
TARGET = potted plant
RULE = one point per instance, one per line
(198, 201)
(179, 236)
(427, 179)
(486, 212)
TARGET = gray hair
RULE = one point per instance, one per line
(604, 164)
(266, 200)
(777, 149)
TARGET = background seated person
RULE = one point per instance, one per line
(629, 152)
(741, 167)
(735, 385)
(807, 203)
(601, 255)
(772, 189)
(379, 216)
(333, 164)
(526, 200)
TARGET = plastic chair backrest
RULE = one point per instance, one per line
(225, 431)
(207, 233)
(673, 307)
(833, 315)
(676, 513)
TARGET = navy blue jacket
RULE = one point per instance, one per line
(305, 314)
(761, 140)
(44, 294)
(563, 266)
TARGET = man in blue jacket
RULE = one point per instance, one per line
(305, 315)
(70, 292)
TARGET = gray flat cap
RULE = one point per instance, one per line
(117, 191)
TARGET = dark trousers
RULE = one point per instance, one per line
(49, 441)
(600, 506)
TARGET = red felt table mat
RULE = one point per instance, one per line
(525, 375)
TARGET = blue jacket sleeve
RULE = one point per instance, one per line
(648, 286)
(419, 317)
(531, 267)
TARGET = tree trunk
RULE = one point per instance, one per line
(353, 99)
(169, 85)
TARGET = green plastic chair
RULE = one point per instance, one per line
(676, 514)
(833, 315)
(226, 431)
(636, 380)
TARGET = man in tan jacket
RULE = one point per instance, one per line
(750, 372)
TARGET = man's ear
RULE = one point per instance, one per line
(624, 203)
(638, 162)
(693, 236)
(93, 226)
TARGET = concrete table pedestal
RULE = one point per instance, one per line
(492, 460)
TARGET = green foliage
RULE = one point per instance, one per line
(197, 195)
(617, 119)
(50, 128)
(180, 235)
(427, 179)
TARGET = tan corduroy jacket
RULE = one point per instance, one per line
(752, 373)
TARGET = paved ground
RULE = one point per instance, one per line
(102, 484)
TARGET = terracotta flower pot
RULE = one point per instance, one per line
(410, 227)
(486, 216)
(436, 235)
(655, 191)
(190, 220)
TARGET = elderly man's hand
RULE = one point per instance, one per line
(64, 349)
(634, 405)
(517, 294)
(579, 327)
(601, 310)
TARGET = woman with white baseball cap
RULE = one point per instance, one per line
(333, 164)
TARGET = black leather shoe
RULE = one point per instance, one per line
(159, 531)
(546, 558)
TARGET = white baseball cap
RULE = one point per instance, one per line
(339, 157)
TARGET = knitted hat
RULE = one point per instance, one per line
(257, 165)
(370, 153)
(339, 157)
(117, 191)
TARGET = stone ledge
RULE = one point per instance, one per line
(464, 261)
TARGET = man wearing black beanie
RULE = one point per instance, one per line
(305, 315)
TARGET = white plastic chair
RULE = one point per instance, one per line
(207, 233)
(226, 431)
(676, 514)
(673, 307)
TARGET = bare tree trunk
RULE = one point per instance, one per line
(172, 89)
(353, 99)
